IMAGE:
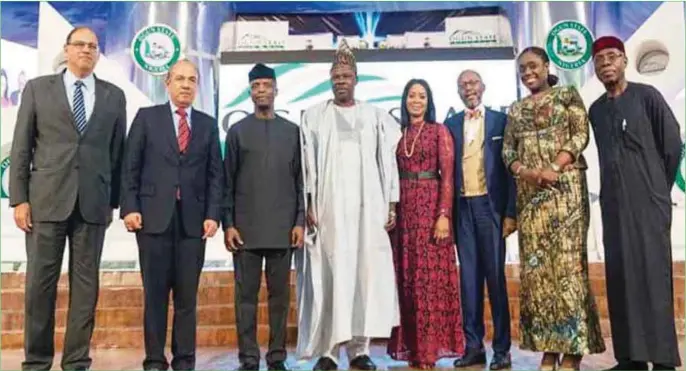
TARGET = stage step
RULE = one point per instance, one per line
(119, 316)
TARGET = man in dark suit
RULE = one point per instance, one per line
(66, 159)
(485, 214)
(172, 198)
(264, 218)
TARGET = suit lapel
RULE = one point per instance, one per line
(459, 137)
(60, 92)
(101, 93)
(196, 133)
(168, 129)
(490, 127)
(488, 144)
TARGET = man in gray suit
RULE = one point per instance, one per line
(66, 159)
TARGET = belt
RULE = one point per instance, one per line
(419, 175)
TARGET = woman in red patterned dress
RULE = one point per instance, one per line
(423, 248)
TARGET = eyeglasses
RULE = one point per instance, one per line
(466, 84)
(609, 57)
(82, 44)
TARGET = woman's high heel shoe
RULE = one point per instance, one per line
(422, 366)
(549, 362)
(570, 363)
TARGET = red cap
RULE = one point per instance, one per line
(607, 42)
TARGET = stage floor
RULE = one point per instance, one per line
(227, 359)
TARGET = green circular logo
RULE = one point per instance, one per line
(569, 45)
(5, 177)
(156, 48)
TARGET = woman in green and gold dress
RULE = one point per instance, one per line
(544, 138)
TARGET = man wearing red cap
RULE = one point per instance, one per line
(639, 149)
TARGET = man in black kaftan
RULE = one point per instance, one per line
(639, 148)
(264, 217)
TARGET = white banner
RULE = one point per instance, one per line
(254, 35)
(301, 85)
(478, 31)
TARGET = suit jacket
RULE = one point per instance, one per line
(53, 165)
(499, 181)
(154, 167)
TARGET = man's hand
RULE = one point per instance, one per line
(133, 222)
(297, 236)
(209, 227)
(22, 217)
(390, 223)
(311, 219)
(509, 227)
(232, 239)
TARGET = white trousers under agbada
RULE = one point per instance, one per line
(358, 346)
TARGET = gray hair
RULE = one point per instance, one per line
(468, 71)
(182, 60)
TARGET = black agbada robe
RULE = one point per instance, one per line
(639, 147)
(264, 183)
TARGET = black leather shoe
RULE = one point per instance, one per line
(471, 358)
(277, 366)
(629, 365)
(657, 366)
(325, 364)
(500, 361)
(363, 363)
(248, 367)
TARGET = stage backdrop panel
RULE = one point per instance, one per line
(382, 75)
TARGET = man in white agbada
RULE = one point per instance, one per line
(346, 282)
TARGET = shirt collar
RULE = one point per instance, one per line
(88, 81)
(480, 108)
(174, 108)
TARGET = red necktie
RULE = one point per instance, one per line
(183, 137)
(184, 131)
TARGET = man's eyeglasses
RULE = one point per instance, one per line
(81, 45)
(467, 84)
(610, 58)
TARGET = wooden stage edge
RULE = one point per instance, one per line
(227, 359)
(119, 315)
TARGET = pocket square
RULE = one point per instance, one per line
(496, 138)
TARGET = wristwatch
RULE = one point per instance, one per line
(556, 168)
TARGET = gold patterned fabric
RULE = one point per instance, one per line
(474, 172)
(558, 311)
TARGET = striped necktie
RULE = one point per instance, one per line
(184, 131)
(79, 107)
(184, 134)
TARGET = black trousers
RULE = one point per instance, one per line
(44, 252)
(248, 275)
(170, 261)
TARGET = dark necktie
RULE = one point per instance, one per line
(79, 107)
